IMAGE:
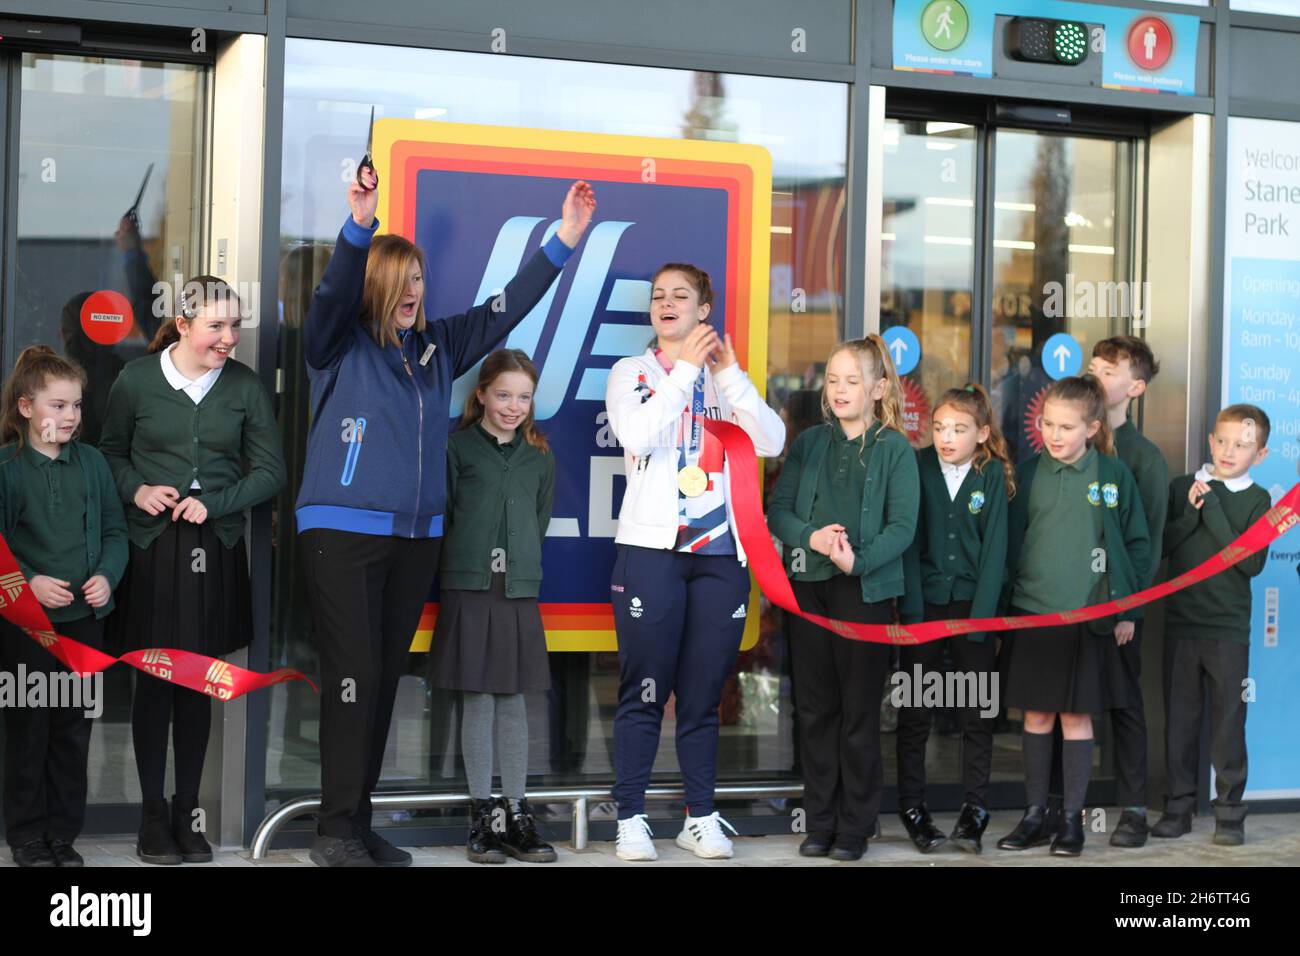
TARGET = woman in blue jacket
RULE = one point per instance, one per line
(370, 509)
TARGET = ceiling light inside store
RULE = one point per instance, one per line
(430, 112)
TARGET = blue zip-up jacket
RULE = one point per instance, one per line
(377, 447)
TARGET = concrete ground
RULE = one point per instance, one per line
(1272, 839)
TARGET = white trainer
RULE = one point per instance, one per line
(634, 841)
(703, 836)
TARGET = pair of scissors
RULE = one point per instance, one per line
(366, 161)
(133, 214)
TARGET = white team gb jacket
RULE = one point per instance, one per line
(647, 430)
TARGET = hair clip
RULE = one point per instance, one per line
(187, 310)
(969, 388)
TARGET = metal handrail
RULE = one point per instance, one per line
(580, 797)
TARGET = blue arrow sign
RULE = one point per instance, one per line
(1062, 356)
(904, 348)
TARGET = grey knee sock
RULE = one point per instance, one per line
(476, 743)
(1076, 768)
(1036, 752)
(512, 744)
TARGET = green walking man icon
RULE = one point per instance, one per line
(944, 24)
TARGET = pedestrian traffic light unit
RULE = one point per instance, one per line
(1037, 40)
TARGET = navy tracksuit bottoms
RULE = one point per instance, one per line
(680, 618)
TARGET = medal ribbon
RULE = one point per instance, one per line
(746, 503)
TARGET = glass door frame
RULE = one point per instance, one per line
(983, 114)
(988, 116)
(155, 46)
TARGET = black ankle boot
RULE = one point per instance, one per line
(970, 828)
(484, 843)
(1031, 831)
(521, 840)
(191, 842)
(1069, 838)
(920, 827)
(156, 843)
(1054, 812)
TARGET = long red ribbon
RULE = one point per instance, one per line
(746, 504)
(207, 675)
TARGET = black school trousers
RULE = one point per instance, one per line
(838, 686)
(978, 659)
(367, 593)
(46, 748)
(1194, 669)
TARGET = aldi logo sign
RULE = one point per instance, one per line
(479, 200)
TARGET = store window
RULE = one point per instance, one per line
(329, 90)
(109, 201)
(1062, 263)
(927, 258)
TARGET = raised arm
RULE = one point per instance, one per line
(471, 335)
(638, 417)
(336, 303)
(748, 410)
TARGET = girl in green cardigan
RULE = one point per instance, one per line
(1076, 536)
(845, 507)
(192, 440)
(489, 642)
(954, 571)
(60, 516)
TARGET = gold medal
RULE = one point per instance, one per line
(692, 481)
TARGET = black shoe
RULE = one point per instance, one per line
(340, 851)
(920, 827)
(847, 849)
(1132, 830)
(1229, 832)
(1172, 825)
(34, 853)
(383, 852)
(1031, 831)
(970, 828)
(816, 844)
(64, 854)
(486, 829)
(193, 845)
(521, 840)
(1069, 838)
(156, 844)
(1052, 814)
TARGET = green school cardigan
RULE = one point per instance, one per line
(106, 551)
(959, 552)
(1124, 533)
(886, 520)
(491, 496)
(155, 435)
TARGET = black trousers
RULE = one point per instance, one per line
(976, 658)
(366, 592)
(838, 686)
(46, 748)
(1129, 728)
(1191, 667)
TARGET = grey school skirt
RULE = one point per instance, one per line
(487, 643)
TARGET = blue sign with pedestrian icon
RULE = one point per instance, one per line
(1062, 356)
(904, 348)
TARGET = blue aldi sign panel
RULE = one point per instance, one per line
(480, 200)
